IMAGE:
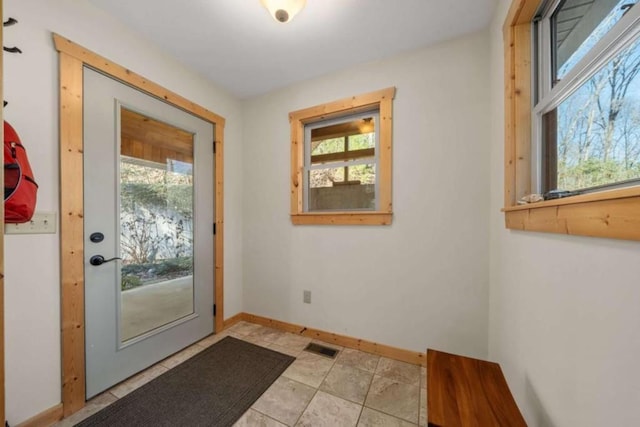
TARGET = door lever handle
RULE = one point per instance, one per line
(99, 260)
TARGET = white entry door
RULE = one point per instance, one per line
(148, 230)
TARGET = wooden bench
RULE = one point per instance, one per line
(462, 391)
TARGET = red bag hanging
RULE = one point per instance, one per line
(19, 186)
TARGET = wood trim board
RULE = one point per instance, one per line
(121, 73)
(517, 78)
(72, 60)
(621, 193)
(233, 320)
(618, 219)
(333, 109)
(413, 357)
(45, 418)
(342, 218)
(71, 234)
(609, 214)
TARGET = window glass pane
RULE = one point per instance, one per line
(327, 146)
(364, 140)
(358, 134)
(594, 135)
(577, 25)
(328, 189)
(343, 156)
(341, 171)
(325, 177)
(365, 174)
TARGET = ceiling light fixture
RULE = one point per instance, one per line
(283, 10)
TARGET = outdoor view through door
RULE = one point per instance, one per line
(156, 224)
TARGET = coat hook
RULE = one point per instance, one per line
(5, 103)
(9, 22)
(11, 49)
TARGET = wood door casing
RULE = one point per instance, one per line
(73, 58)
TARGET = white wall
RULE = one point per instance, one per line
(32, 315)
(564, 319)
(422, 281)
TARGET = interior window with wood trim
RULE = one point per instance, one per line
(572, 146)
(341, 161)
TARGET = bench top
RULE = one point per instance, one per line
(462, 391)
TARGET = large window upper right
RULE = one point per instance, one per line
(586, 96)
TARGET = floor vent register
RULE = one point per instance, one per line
(321, 350)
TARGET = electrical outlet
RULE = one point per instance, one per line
(306, 297)
(41, 223)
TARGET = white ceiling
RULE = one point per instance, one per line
(237, 44)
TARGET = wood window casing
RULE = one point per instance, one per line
(610, 214)
(383, 101)
(73, 58)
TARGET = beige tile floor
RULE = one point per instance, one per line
(354, 389)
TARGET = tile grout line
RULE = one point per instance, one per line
(366, 394)
(370, 383)
(317, 389)
(305, 408)
(251, 408)
(360, 415)
(361, 405)
(401, 382)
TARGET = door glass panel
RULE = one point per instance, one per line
(156, 224)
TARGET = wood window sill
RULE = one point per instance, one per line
(611, 214)
(342, 218)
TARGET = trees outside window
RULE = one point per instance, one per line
(156, 219)
(591, 137)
